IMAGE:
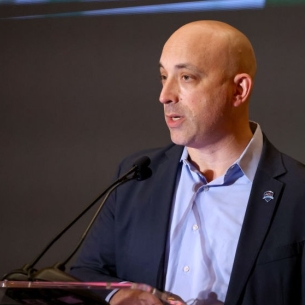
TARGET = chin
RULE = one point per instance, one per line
(182, 139)
(179, 141)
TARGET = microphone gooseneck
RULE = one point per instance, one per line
(139, 171)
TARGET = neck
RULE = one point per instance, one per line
(213, 160)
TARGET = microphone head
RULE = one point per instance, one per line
(142, 171)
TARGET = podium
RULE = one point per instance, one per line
(70, 293)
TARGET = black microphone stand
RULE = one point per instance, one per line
(56, 272)
(139, 171)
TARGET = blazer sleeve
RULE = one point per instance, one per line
(96, 260)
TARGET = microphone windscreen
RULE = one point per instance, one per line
(142, 170)
(143, 173)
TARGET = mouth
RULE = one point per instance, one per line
(175, 118)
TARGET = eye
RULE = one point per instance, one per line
(163, 78)
(186, 77)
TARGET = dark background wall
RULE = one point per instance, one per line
(78, 94)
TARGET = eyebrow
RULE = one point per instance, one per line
(182, 66)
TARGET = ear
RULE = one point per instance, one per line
(243, 85)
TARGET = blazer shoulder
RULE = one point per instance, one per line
(293, 166)
(278, 164)
(156, 155)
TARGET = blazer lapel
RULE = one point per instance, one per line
(257, 220)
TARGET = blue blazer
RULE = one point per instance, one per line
(128, 240)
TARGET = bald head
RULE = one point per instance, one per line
(218, 44)
(207, 70)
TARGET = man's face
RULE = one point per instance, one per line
(196, 90)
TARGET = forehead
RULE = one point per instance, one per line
(198, 49)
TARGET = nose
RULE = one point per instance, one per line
(169, 92)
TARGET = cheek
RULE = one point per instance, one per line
(198, 112)
(207, 112)
(203, 105)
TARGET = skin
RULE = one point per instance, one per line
(207, 70)
(136, 297)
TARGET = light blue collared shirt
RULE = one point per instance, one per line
(206, 223)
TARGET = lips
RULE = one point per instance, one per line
(173, 120)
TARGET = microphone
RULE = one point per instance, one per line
(139, 171)
(142, 170)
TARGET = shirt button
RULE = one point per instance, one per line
(186, 268)
(205, 188)
(195, 227)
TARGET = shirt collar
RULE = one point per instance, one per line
(249, 159)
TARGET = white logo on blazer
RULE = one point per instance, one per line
(268, 195)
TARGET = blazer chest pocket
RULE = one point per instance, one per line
(279, 253)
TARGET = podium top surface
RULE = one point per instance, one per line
(24, 292)
(75, 285)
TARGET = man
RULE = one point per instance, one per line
(221, 218)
